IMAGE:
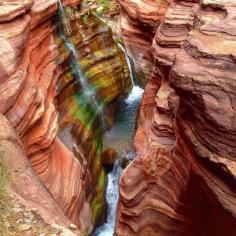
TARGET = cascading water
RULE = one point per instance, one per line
(122, 131)
(120, 137)
(112, 194)
(88, 92)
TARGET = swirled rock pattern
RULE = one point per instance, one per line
(25, 184)
(183, 179)
(137, 25)
(41, 98)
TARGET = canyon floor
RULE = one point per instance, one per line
(16, 220)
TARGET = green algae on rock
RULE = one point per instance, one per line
(93, 74)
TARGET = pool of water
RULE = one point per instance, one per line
(119, 137)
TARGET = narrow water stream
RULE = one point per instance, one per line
(88, 93)
(120, 137)
(112, 194)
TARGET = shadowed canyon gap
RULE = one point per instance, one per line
(182, 181)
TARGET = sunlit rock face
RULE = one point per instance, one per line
(41, 99)
(183, 179)
(25, 183)
(82, 102)
(137, 25)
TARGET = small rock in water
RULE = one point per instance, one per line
(109, 157)
(24, 227)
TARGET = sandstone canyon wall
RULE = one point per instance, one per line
(182, 181)
(137, 25)
(41, 98)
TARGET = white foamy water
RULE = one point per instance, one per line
(134, 96)
(112, 194)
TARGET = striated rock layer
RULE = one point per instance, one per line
(183, 179)
(137, 26)
(40, 96)
(24, 182)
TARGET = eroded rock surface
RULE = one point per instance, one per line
(183, 179)
(137, 25)
(40, 98)
(25, 186)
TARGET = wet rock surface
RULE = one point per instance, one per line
(109, 156)
(40, 96)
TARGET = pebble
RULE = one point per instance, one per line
(66, 232)
(24, 227)
(25, 214)
(57, 227)
(17, 205)
(17, 210)
(73, 227)
(27, 221)
(100, 9)
(33, 210)
(7, 224)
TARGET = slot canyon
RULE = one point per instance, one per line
(118, 117)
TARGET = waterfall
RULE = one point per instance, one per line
(65, 22)
(87, 91)
(136, 92)
(131, 72)
(112, 195)
(119, 137)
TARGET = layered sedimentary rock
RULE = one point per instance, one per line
(105, 77)
(137, 26)
(183, 179)
(24, 182)
(40, 96)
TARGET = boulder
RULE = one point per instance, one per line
(109, 157)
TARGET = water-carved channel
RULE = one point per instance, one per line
(120, 136)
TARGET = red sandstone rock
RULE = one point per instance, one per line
(29, 73)
(10, 9)
(25, 184)
(137, 26)
(109, 157)
(183, 180)
(28, 78)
